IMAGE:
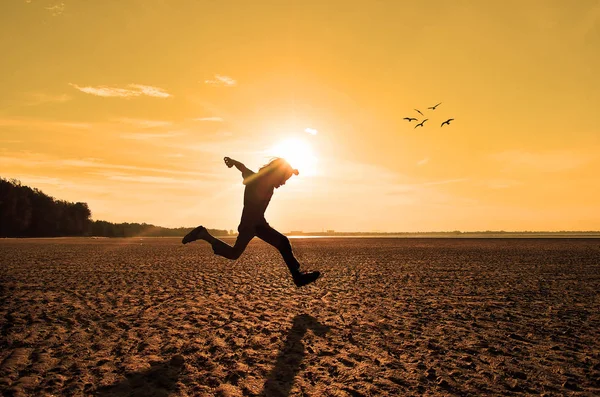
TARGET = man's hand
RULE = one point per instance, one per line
(229, 162)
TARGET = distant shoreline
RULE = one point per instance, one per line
(464, 235)
(455, 235)
(507, 235)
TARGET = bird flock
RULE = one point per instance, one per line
(421, 123)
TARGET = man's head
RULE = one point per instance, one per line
(278, 171)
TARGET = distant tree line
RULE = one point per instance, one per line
(108, 229)
(28, 212)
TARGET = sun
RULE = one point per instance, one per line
(298, 153)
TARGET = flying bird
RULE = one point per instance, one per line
(409, 119)
(421, 123)
(419, 112)
(433, 107)
(446, 122)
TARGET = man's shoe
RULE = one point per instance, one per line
(303, 279)
(194, 235)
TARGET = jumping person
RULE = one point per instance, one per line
(257, 194)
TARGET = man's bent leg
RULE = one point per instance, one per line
(227, 251)
(282, 243)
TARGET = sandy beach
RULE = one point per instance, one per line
(150, 317)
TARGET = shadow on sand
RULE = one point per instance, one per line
(281, 378)
(159, 380)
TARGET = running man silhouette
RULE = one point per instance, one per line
(257, 195)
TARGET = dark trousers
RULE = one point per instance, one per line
(265, 233)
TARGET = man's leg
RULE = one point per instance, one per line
(227, 251)
(282, 243)
(219, 246)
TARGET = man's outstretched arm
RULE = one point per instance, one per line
(229, 162)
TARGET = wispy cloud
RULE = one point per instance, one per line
(502, 183)
(39, 98)
(311, 131)
(550, 161)
(150, 179)
(142, 123)
(56, 9)
(94, 163)
(40, 180)
(384, 188)
(232, 146)
(45, 124)
(444, 181)
(149, 135)
(61, 184)
(37, 160)
(219, 119)
(423, 161)
(150, 91)
(80, 126)
(220, 80)
(402, 188)
(133, 90)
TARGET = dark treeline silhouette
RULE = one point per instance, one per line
(29, 212)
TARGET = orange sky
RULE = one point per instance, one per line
(131, 106)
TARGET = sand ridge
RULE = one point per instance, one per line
(150, 317)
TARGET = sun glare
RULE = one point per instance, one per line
(298, 153)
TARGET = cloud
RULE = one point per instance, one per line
(420, 187)
(232, 146)
(549, 161)
(165, 181)
(54, 183)
(37, 160)
(145, 123)
(150, 91)
(502, 183)
(311, 131)
(80, 126)
(423, 161)
(38, 98)
(43, 124)
(25, 161)
(384, 188)
(147, 135)
(444, 181)
(219, 119)
(95, 163)
(40, 180)
(134, 90)
(151, 179)
(56, 9)
(220, 80)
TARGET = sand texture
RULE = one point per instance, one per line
(150, 317)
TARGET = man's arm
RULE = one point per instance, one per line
(229, 162)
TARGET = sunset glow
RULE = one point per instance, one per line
(298, 153)
(131, 106)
